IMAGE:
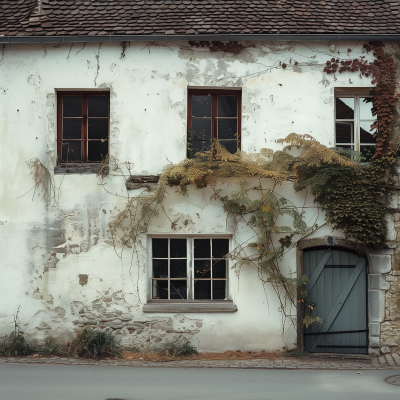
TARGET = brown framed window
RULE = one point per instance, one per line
(213, 114)
(82, 126)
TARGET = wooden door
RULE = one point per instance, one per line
(337, 293)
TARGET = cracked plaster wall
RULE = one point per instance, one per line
(59, 264)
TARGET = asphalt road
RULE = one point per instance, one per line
(58, 382)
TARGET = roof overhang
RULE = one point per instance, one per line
(213, 37)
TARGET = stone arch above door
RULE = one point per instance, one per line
(379, 265)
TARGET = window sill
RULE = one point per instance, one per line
(187, 306)
(78, 168)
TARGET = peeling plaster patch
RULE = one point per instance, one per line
(51, 262)
(83, 279)
(297, 69)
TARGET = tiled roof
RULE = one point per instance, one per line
(184, 17)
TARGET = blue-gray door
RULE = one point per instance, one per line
(337, 293)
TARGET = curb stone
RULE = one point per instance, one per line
(388, 361)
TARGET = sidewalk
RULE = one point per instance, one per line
(326, 362)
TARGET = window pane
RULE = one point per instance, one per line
(227, 106)
(219, 269)
(230, 145)
(160, 248)
(160, 268)
(227, 129)
(178, 268)
(201, 129)
(202, 269)
(160, 289)
(344, 132)
(201, 106)
(98, 106)
(345, 108)
(365, 133)
(366, 153)
(178, 290)
(202, 290)
(365, 108)
(72, 128)
(220, 247)
(71, 151)
(202, 248)
(178, 248)
(97, 150)
(219, 290)
(72, 106)
(98, 128)
(200, 146)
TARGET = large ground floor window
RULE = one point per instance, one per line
(189, 268)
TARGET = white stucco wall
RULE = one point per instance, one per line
(43, 251)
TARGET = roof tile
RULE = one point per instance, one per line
(138, 17)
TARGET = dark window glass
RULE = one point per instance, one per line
(160, 290)
(200, 146)
(72, 106)
(202, 290)
(178, 248)
(160, 268)
(219, 290)
(227, 106)
(160, 248)
(201, 129)
(178, 268)
(201, 106)
(71, 151)
(220, 247)
(219, 269)
(366, 135)
(230, 145)
(98, 106)
(202, 248)
(97, 151)
(202, 269)
(227, 129)
(345, 108)
(97, 128)
(72, 128)
(178, 290)
(344, 132)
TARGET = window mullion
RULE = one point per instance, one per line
(211, 264)
(85, 129)
(357, 123)
(190, 266)
(214, 114)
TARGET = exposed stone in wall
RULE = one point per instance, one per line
(132, 331)
(390, 329)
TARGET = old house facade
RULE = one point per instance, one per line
(149, 83)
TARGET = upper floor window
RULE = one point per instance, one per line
(353, 120)
(213, 114)
(82, 126)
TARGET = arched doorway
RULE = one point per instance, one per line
(337, 293)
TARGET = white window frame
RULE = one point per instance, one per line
(356, 95)
(190, 268)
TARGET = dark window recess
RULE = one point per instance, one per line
(169, 281)
(210, 269)
(213, 114)
(175, 276)
(83, 120)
